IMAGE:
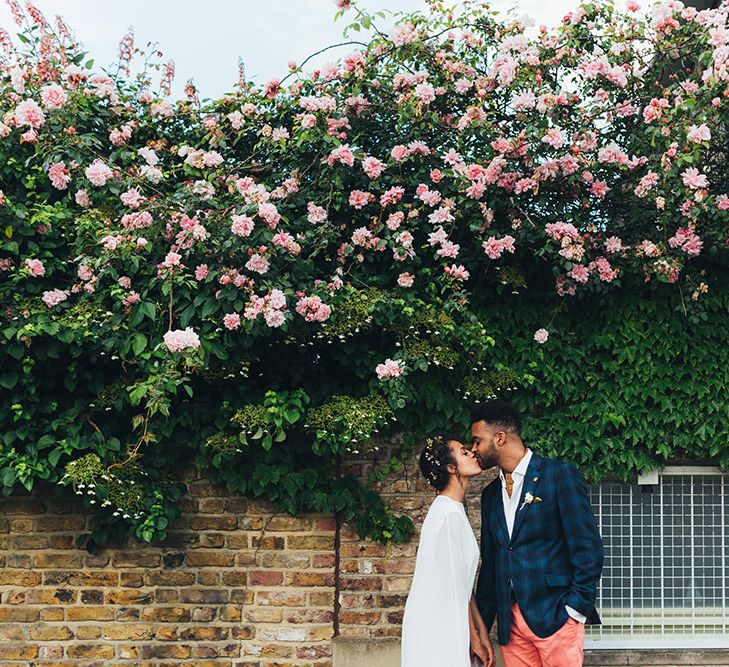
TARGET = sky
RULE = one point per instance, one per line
(205, 39)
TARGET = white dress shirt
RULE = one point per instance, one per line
(511, 507)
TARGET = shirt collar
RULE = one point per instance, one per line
(520, 469)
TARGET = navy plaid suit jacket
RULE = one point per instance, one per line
(554, 557)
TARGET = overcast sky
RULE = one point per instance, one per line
(205, 39)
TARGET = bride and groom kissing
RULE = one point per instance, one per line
(541, 554)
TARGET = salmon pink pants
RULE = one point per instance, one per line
(565, 648)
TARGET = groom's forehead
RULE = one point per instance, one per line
(478, 427)
(481, 428)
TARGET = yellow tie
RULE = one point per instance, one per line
(509, 483)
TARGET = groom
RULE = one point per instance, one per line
(541, 552)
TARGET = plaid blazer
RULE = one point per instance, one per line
(554, 557)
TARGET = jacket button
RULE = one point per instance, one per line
(511, 548)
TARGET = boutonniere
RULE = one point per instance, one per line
(529, 499)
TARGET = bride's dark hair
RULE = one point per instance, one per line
(434, 461)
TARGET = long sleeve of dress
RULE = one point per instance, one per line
(435, 626)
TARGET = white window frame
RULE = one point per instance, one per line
(628, 634)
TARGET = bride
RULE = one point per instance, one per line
(442, 626)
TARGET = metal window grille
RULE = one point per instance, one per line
(665, 581)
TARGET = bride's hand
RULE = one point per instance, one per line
(490, 655)
(483, 651)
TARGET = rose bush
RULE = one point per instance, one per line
(266, 281)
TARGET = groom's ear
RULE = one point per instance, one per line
(500, 438)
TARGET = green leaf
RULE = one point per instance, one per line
(139, 343)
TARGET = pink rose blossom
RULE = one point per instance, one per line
(692, 178)
(599, 188)
(457, 272)
(614, 244)
(403, 34)
(60, 176)
(29, 113)
(131, 298)
(399, 153)
(359, 199)
(258, 263)
(555, 137)
(242, 225)
(541, 336)
(53, 297)
(29, 137)
(448, 249)
(137, 220)
(362, 236)
(125, 282)
(452, 158)
(389, 369)
(274, 318)
(495, 248)
(179, 340)
(201, 272)
(98, 173)
(372, 167)
(699, 133)
(172, 260)
(231, 321)
(650, 249)
(316, 213)
(579, 273)
(35, 268)
(425, 92)
(688, 241)
(308, 121)
(392, 196)
(341, 154)
(406, 280)
(85, 273)
(312, 309)
(394, 220)
(131, 198)
(604, 271)
(270, 214)
(558, 230)
(110, 242)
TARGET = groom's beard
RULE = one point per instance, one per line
(487, 460)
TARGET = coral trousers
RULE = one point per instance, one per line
(565, 648)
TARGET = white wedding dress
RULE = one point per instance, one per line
(435, 625)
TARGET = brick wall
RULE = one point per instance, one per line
(235, 584)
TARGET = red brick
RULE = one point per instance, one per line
(309, 579)
(265, 578)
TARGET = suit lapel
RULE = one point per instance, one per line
(531, 483)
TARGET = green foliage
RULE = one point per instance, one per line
(624, 384)
(277, 378)
(345, 424)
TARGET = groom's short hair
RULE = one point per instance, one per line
(498, 413)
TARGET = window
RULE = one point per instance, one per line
(665, 581)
